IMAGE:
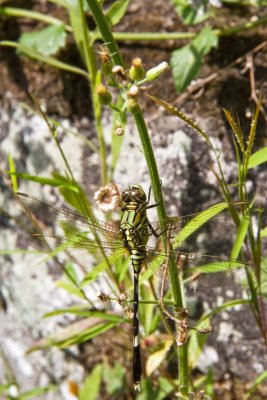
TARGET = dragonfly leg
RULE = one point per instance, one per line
(149, 192)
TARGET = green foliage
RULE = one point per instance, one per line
(47, 41)
(192, 13)
(187, 61)
(258, 158)
(91, 387)
(117, 11)
(115, 379)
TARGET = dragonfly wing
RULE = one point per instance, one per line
(198, 270)
(95, 246)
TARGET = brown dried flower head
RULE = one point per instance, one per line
(108, 198)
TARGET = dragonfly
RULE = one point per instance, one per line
(136, 238)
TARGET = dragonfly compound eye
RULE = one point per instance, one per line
(137, 193)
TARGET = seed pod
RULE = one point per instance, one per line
(137, 71)
(153, 73)
(103, 94)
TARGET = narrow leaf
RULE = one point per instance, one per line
(261, 378)
(240, 236)
(264, 232)
(91, 387)
(46, 59)
(156, 358)
(12, 171)
(44, 181)
(257, 158)
(196, 222)
(117, 11)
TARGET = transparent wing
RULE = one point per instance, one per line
(95, 245)
(201, 271)
(98, 245)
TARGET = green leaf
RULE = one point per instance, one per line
(158, 356)
(193, 13)
(12, 171)
(146, 311)
(48, 41)
(195, 346)
(187, 61)
(114, 379)
(45, 181)
(73, 194)
(196, 222)
(257, 158)
(28, 51)
(76, 333)
(70, 288)
(240, 236)
(218, 266)
(264, 232)
(117, 11)
(149, 391)
(261, 378)
(91, 385)
(37, 391)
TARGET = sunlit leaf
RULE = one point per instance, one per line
(91, 385)
(187, 61)
(193, 13)
(117, 11)
(240, 236)
(197, 222)
(156, 358)
(257, 158)
(114, 378)
(12, 171)
(28, 51)
(47, 41)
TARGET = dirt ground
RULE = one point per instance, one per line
(232, 77)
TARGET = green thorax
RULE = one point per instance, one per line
(134, 226)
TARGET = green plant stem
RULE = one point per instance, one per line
(108, 38)
(242, 27)
(105, 31)
(151, 36)
(23, 13)
(89, 55)
(40, 57)
(162, 214)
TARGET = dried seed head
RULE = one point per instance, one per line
(106, 64)
(122, 297)
(119, 73)
(108, 197)
(104, 297)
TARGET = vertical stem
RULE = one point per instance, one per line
(89, 59)
(106, 33)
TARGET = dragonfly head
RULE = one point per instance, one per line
(134, 193)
